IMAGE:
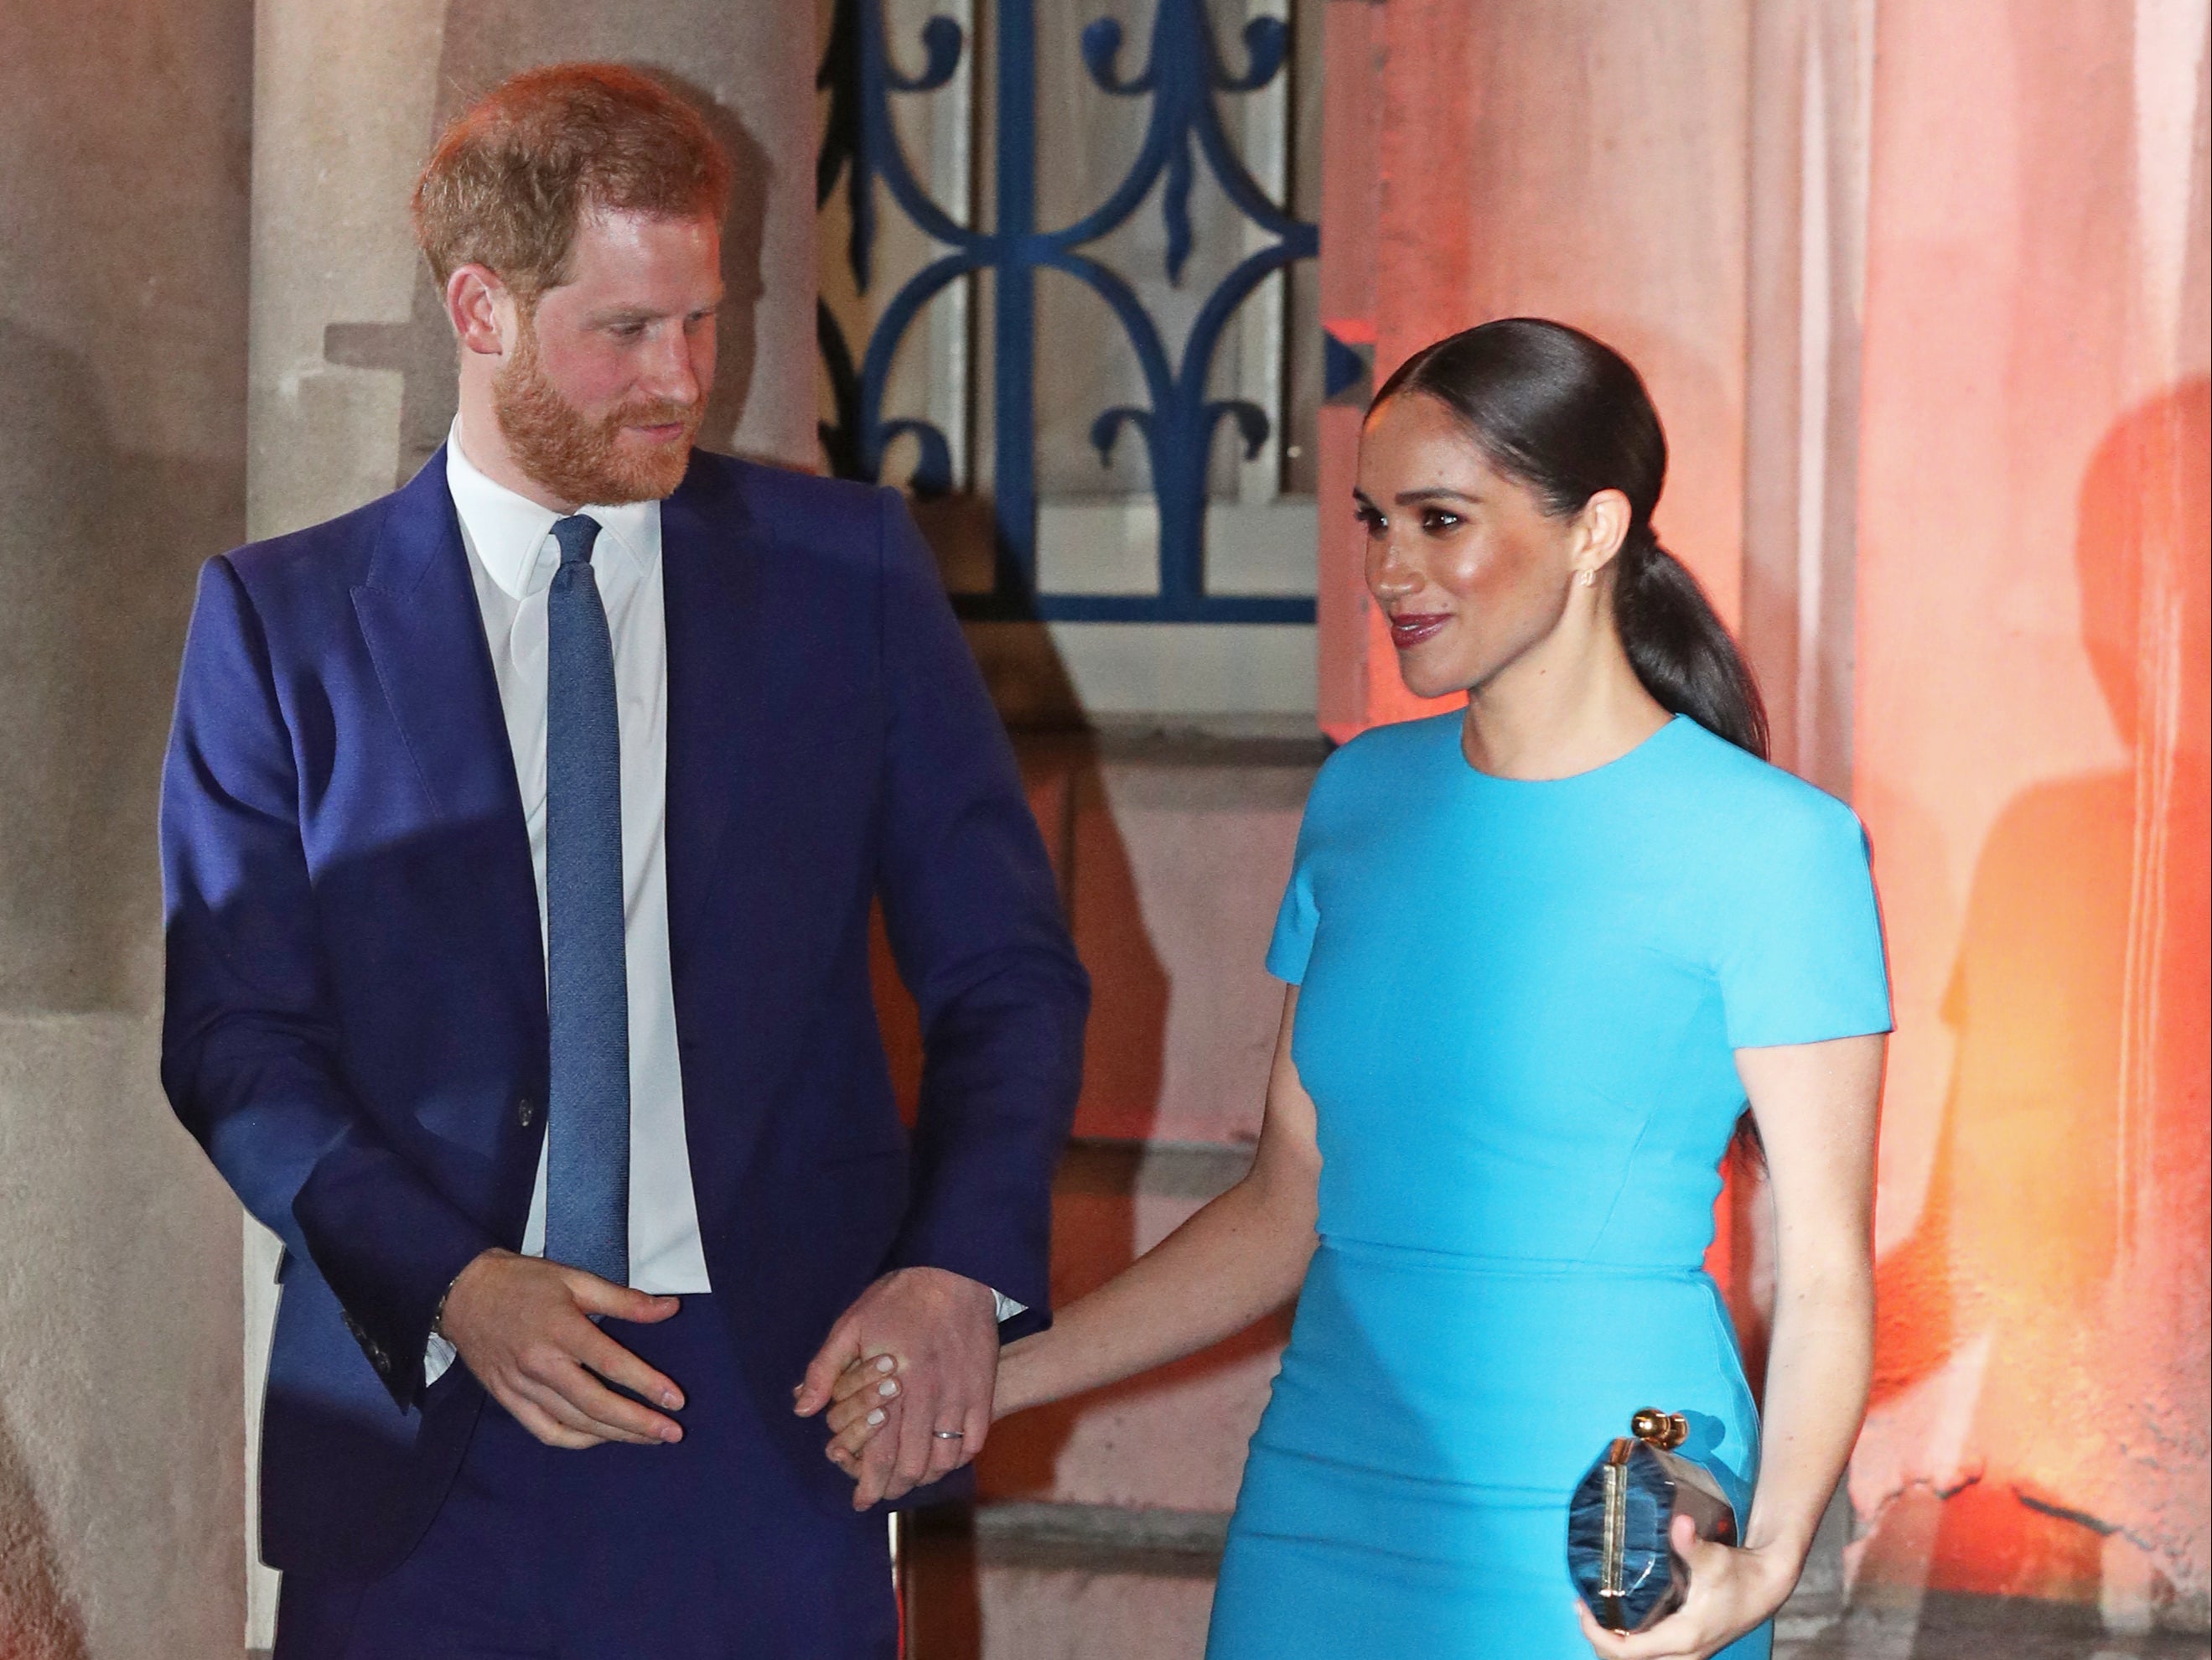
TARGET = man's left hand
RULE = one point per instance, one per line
(942, 1330)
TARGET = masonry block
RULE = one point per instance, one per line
(986, 1593)
(1172, 854)
(1175, 1438)
(1178, 865)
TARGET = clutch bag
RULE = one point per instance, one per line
(1619, 1553)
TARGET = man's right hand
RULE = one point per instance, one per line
(523, 1325)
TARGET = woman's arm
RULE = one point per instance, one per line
(1241, 1257)
(1815, 1105)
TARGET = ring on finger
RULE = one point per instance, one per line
(948, 1435)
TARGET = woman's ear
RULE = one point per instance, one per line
(1600, 529)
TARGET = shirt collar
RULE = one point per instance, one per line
(508, 533)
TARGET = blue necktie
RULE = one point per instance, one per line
(588, 995)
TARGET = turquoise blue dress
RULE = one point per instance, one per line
(1519, 1011)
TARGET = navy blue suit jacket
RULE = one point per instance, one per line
(355, 1026)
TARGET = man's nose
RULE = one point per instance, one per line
(670, 375)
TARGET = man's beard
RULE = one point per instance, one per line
(579, 457)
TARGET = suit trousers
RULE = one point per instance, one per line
(705, 1550)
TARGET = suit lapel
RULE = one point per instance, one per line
(420, 617)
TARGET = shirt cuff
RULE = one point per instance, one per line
(1007, 1308)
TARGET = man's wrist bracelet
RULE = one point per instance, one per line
(438, 1314)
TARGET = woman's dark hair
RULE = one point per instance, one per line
(1568, 417)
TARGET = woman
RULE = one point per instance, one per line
(1539, 957)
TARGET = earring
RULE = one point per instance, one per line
(1588, 579)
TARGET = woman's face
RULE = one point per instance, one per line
(1463, 560)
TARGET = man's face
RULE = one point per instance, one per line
(603, 392)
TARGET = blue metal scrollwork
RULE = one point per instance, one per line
(1183, 71)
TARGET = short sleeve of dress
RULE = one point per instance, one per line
(1802, 958)
(1288, 952)
(1296, 919)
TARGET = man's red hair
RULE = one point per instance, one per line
(511, 178)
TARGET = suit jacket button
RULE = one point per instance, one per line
(525, 1111)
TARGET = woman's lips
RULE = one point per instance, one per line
(1411, 630)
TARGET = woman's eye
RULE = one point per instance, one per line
(1375, 522)
(1436, 518)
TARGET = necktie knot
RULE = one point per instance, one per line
(576, 533)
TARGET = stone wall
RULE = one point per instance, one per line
(123, 272)
(2031, 758)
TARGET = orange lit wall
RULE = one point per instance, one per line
(2031, 748)
(2023, 720)
(1624, 216)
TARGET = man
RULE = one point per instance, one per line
(520, 831)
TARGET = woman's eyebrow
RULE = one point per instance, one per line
(1435, 493)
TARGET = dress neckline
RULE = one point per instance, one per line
(1626, 758)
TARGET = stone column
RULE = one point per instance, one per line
(1581, 162)
(353, 361)
(123, 211)
(2031, 758)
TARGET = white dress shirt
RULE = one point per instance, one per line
(512, 559)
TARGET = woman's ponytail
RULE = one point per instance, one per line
(1569, 416)
(1679, 648)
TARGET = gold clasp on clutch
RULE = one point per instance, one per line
(1664, 1430)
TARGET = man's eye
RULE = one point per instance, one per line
(627, 330)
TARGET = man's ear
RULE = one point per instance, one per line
(481, 309)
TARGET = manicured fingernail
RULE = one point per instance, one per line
(884, 1363)
(887, 1390)
(877, 1416)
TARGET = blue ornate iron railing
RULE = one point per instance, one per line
(1183, 72)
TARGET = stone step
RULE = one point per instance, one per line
(1061, 1582)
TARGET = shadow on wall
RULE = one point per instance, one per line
(2049, 1305)
(91, 633)
(38, 1620)
(480, 49)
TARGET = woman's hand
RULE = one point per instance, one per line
(863, 1403)
(1731, 1592)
